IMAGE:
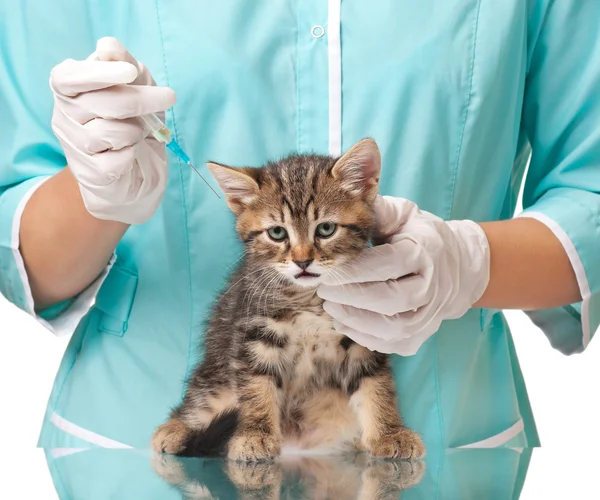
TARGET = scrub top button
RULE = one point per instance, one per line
(317, 31)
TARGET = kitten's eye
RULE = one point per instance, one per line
(326, 229)
(277, 233)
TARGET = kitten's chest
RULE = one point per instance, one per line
(313, 348)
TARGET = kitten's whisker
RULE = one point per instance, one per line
(376, 250)
(274, 293)
(252, 291)
(340, 271)
(255, 286)
(265, 293)
(359, 264)
(244, 253)
(244, 277)
(263, 288)
(336, 275)
(281, 280)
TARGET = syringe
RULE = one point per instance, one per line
(162, 134)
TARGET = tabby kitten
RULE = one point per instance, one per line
(275, 371)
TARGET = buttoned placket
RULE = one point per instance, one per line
(319, 77)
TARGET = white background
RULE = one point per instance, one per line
(563, 391)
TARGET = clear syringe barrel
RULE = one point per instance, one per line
(162, 134)
(157, 128)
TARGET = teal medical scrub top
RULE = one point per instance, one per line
(457, 93)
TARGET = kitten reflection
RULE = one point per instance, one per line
(297, 478)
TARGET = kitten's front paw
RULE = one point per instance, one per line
(170, 437)
(403, 444)
(253, 447)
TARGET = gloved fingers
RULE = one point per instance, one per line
(391, 214)
(71, 78)
(136, 192)
(118, 102)
(101, 134)
(110, 49)
(150, 167)
(153, 167)
(361, 320)
(387, 297)
(364, 339)
(380, 263)
(102, 169)
(423, 321)
(157, 147)
(98, 134)
(110, 65)
(403, 347)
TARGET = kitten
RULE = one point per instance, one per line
(274, 370)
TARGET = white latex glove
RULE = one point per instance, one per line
(398, 293)
(121, 171)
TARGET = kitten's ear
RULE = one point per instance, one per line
(238, 184)
(358, 169)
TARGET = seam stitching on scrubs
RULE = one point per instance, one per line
(185, 214)
(439, 408)
(440, 474)
(437, 390)
(465, 112)
(542, 27)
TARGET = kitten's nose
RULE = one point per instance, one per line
(303, 264)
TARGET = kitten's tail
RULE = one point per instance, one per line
(212, 441)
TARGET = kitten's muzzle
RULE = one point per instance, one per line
(303, 264)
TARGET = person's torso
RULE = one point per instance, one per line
(439, 86)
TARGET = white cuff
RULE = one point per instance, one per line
(66, 322)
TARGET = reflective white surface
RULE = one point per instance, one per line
(553, 474)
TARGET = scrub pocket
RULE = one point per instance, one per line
(115, 299)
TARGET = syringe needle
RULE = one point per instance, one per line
(161, 133)
(201, 177)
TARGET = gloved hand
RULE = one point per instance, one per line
(121, 170)
(424, 271)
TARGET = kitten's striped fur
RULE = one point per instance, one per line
(274, 370)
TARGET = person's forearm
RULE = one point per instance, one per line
(64, 248)
(529, 267)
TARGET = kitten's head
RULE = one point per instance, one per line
(304, 216)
